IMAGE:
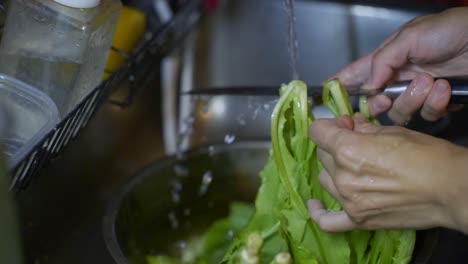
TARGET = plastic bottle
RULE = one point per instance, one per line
(59, 46)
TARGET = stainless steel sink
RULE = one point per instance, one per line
(245, 43)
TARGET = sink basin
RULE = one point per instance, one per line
(245, 43)
(168, 202)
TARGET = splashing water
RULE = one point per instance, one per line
(211, 150)
(181, 171)
(241, 120)
(229, 139)
(206, 181)
(173, 220)
(176, 190)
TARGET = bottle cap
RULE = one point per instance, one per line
(79, 3)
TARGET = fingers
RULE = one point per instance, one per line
(387, 60)
(436, 103)
(326, 160)
(357, 72)
(327, 182)
(328, 134)
(330, 221)
(379, 104)
(412, 99)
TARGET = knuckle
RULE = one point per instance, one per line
(345, 188)
(410, 31)
(345, 154)
(355, 212)
(322, 179)
(399, 117)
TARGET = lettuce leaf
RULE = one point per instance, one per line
(280, 220)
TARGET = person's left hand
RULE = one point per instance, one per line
(389, 177)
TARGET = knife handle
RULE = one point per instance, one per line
(459, 89)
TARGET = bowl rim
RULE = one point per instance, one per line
(429, 236)
(112, 209)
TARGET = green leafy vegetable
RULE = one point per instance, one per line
(280, 229)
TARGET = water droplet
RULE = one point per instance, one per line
(211, 150)
(177, 186)
(230, 234)
(255, 113)
(229, 139)
(241, 120)
(182, 245)
(176, 190)
(173, 221)
(181, 170)
(175, 197)
(206, 181)
(207, 177)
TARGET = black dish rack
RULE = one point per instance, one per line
(153, 49)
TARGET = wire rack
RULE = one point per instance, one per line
(137, 66)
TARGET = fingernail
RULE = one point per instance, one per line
(440, 88)
(367, 86)
(420, 85)
(345, 122)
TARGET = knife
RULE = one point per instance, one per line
(393, 90)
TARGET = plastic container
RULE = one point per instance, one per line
(10, 244)
(27, 114)
(60, 47)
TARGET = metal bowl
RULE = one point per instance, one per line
(179, 197)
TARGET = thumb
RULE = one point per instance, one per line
(327, 133)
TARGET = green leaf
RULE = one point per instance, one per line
(288, 180)
(336, 98)
(220, 235)
(161, 260)
(405, 246)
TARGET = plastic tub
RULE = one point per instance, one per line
(26, 114)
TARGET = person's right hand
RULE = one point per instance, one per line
(427, 47)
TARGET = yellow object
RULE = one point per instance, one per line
(130, 30)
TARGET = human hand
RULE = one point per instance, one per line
(432, 45)
(389, 177)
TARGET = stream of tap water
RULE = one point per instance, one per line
(292, 38)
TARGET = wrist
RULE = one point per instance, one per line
(456, 198)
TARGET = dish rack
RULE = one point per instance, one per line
(156, 46)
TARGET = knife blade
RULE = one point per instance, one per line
(459, 90)
(312, 91)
